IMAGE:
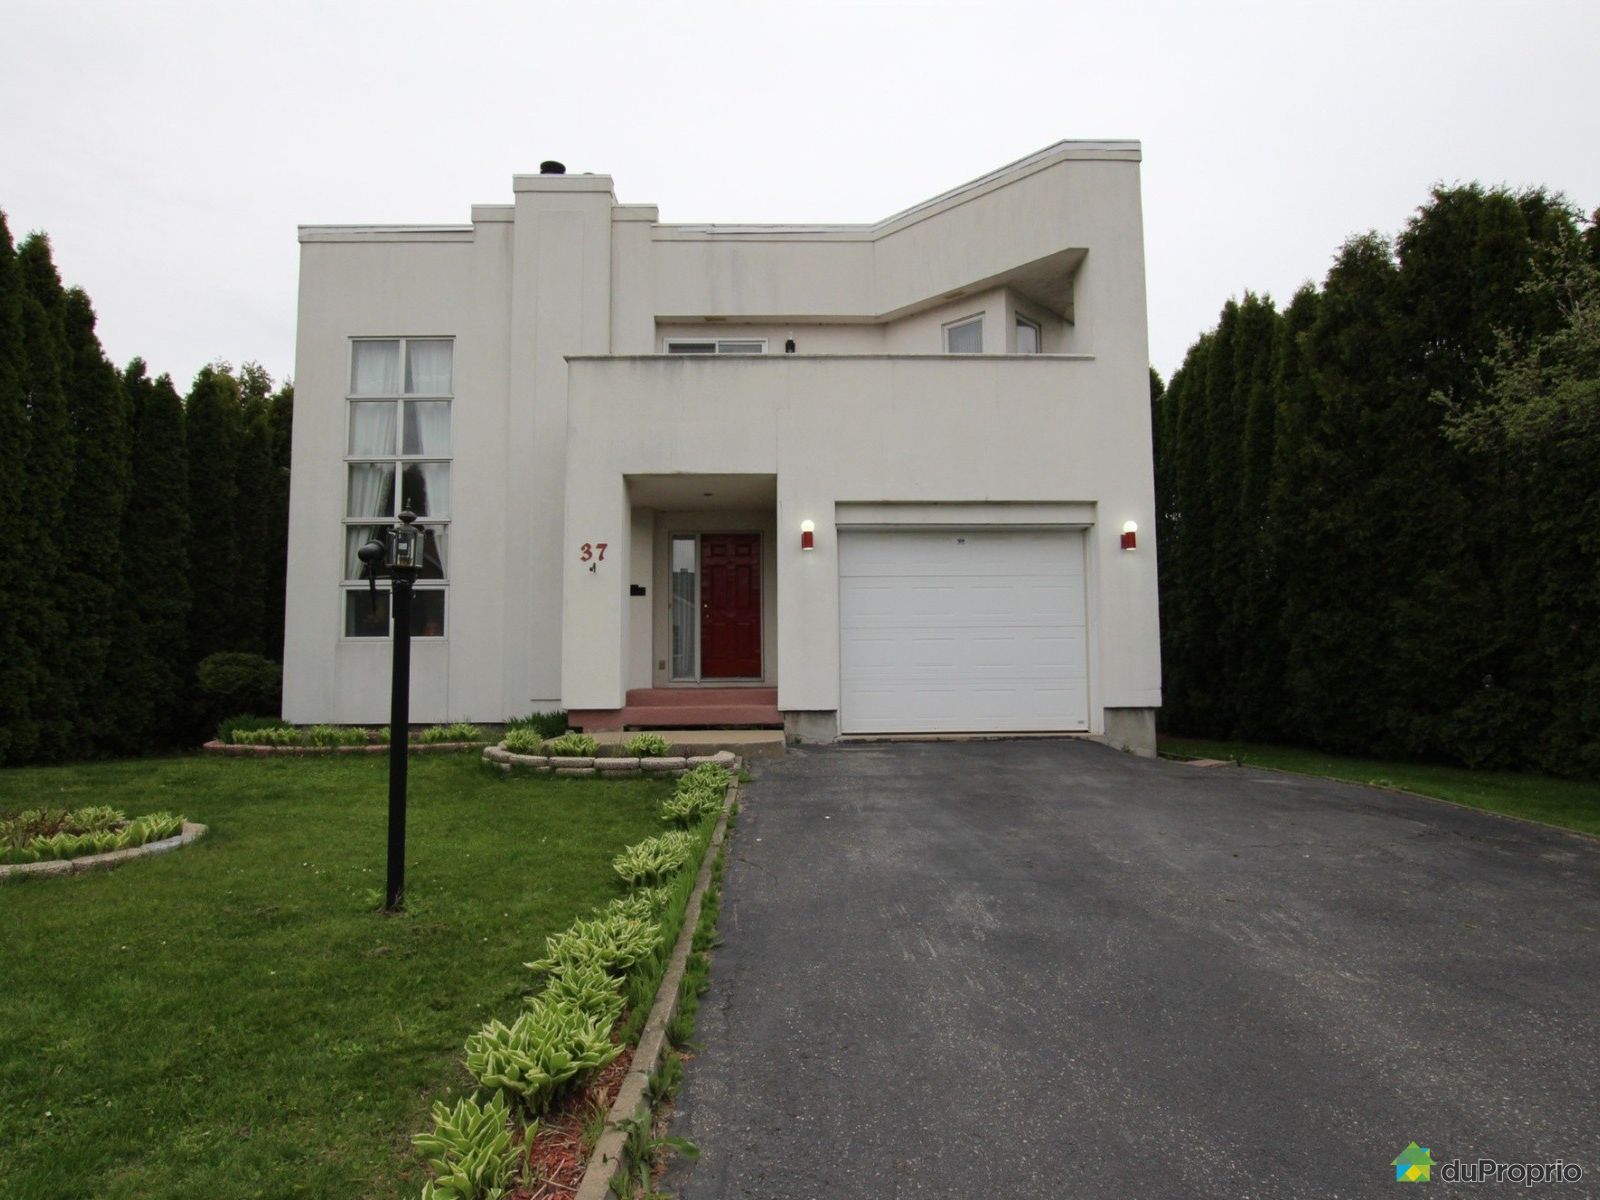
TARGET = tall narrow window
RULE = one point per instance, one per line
(397, 456)
(685, 607)
(1029, 336)
(964, 337)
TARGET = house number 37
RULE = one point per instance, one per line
(592, 550)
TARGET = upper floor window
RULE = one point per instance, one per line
(1030, 337)
(964, 336)
(397, 456)
(716, 345)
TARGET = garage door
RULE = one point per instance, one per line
(963, 630)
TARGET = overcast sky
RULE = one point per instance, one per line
(170, 149)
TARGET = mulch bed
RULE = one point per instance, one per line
(558, 1159)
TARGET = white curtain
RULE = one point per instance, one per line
(427, 427)
(355, 537)
(371, 490)
(372, 429)
(375, 368)
(428, 368)
(425, 489)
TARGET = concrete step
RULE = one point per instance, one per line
(746, 743)
(694, 697)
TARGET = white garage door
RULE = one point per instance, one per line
(962, 630)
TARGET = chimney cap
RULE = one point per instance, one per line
(551, 167)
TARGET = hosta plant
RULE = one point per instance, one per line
(613, 942)
(641, 904)
(37, 835)
(461, 731)
(705, 775)
(470, 1150)
(689, 806)
(524, 741)
(654, 859)
(551, 1044)
(572, 745)
(586, 986)
(647, 745)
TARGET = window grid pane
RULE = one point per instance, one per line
(965, 338)
(371, 492)
(1027, 337)
(375, 368)
(427, 428)
(428, 367)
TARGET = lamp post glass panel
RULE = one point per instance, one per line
(399, 555)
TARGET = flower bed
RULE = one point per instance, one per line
(260, 737)
(41, 834)
(549, 1076)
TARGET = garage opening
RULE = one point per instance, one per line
(963, 631)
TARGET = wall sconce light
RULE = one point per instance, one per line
(1130, 535)
(808, 535)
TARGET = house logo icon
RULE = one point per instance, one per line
(1414, 1165)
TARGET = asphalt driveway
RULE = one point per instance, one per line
(1047, 969)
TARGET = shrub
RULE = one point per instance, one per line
(642, 904)
(705, 773)
(239, 683)
(240, 730)
(285, 736)
(461, 731)
(613, 942)
(334, 735)
(573, 745)
(549, 1045)
(524, 741)
(647, 745)
(546, 725)
(654, 859)
(586, 986)
(470, 1150)
(691, 806)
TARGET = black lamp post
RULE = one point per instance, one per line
(400, 555)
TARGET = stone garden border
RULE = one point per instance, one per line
(240, 750)
(613, 767)
(103, 862)
(632, 1097)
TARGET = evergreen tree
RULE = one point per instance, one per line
(155, 569)
(37, 683)
(213, 432)
(1188, 534)
(252, 512)
(1340, 635)
(16, 582)
(280, 421)
(1251, 655)
(92, 592)
(1290, 498)
(1541, 417)
(1212, 569)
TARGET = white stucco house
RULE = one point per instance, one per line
(850, 479)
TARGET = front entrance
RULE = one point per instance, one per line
(716, 606)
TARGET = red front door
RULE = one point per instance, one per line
(730, 606)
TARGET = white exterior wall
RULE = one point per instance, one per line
(566, 271)
(1024, 440)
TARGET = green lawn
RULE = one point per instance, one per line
(1569, 803)
(233, 1019)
